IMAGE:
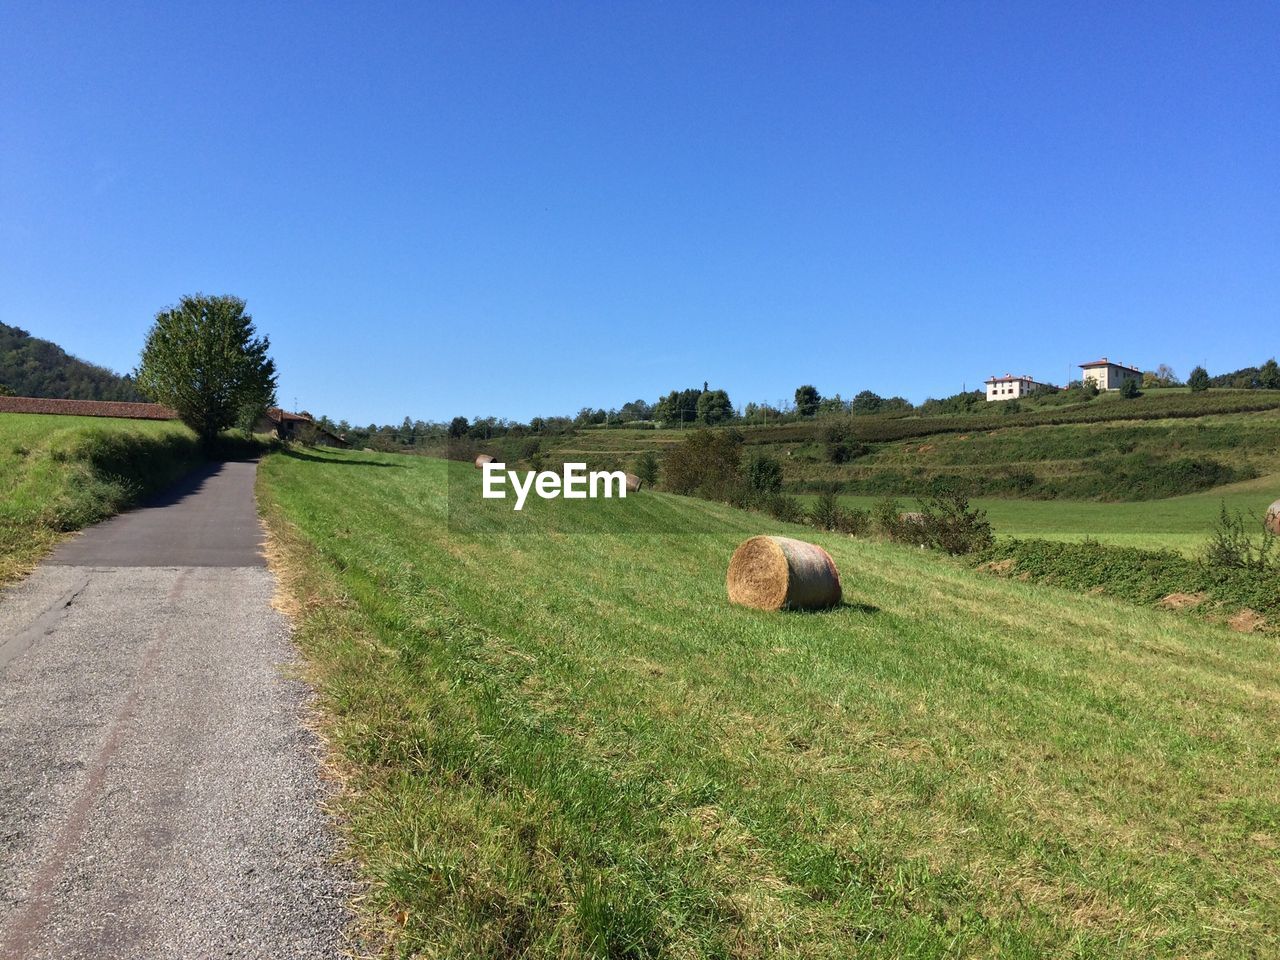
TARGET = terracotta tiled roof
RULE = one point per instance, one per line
(1104, 362)
(280, 416)
(1009, 378)
(87, 408)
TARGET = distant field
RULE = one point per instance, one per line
(1177, 523)
(562, 745)
(62, 473)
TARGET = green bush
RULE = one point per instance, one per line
(841, 444)
(647, 468)
(886, 518)
(856, 523)
(825, 511)
(784, 508)
(764, 473)
(708, 464)
(951, 525)
(1238, 543)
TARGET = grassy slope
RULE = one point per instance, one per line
(1179, 523)
(61, 473)
(562, 745)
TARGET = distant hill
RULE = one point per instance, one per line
(31, 367)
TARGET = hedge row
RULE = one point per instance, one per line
(1139, 576)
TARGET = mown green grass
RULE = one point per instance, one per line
(560, 745)
(61, 473)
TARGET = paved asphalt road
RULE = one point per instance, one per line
(159, 796)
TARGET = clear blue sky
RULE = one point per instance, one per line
(525, 208)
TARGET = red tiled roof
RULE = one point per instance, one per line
(1104, 362)
(1009, 378)
(87, 408)
(280, 416)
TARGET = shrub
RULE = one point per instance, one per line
(764, 474)
(784, 508)
(950, 524)
(841, 444)
(1232, 544)
(647, 468)
(1129, 389)
(825, 512)
(1199, 380)
(886, 517)
(856, 523)
(708, 463)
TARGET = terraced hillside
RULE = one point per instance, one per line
(1145, 482)
(568, 744)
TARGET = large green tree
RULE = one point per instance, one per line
(204, 359)
(807, 400)
(714, 407)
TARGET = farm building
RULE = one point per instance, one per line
(294, 426)
(1108, 375)
(1010, 387)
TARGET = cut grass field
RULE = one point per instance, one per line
(562, 744)
(62, 473)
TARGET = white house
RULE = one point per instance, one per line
(1108, 375)
(1010, 387)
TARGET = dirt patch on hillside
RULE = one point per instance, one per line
(1182, 601)
(1001, 568)
(1247, 621)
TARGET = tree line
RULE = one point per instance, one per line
(694, 407)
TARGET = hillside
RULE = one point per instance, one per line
(558, 745)
(31, 367)
(1165, 444)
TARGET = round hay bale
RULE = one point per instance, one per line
(772, 573)
(634, 483)
(482, 459)
(1273, 518)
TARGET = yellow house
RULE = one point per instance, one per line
(1109, 375)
